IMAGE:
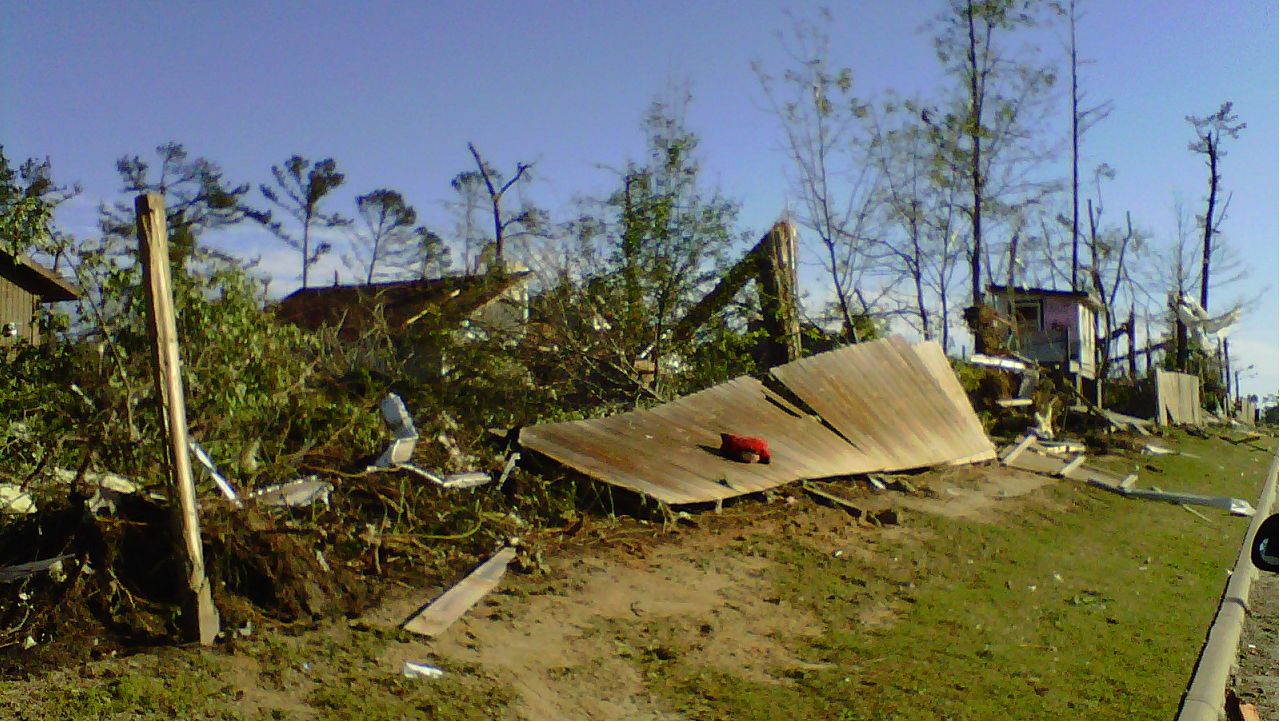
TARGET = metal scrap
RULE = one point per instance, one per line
(22, 571)
(219, 480)
(421, 671)
(299, 492)
(400, 450)
(1029, 455)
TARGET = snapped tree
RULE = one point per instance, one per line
(831, 175)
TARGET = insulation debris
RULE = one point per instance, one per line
(15, 500)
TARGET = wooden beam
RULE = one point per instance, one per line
(200, 618)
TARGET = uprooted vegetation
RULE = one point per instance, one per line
(81, 436)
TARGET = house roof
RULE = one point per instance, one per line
(36, 279)
(1088, 298)
(352, 307)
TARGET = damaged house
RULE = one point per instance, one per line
(1056, 329)
(25, 285)
(495, 302)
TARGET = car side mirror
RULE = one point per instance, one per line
(1265, 543)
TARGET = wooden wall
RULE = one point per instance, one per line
(17, 306)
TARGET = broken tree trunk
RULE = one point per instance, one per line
(773, 262)
(200, 618)
(777, 274)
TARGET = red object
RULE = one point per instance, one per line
(744, 448)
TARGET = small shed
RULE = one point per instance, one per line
(24, 286)
(1051, 327)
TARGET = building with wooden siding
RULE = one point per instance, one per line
(24, 285)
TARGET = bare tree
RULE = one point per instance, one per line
(1209, 131)
(487, 179)
(1081, 120)
(301, 187)
(990, 128)
(836, 185)
(386, 241)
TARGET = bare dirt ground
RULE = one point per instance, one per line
(561, 640)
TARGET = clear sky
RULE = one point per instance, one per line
(394, 91)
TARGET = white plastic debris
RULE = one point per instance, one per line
(14, 500)
(414, 670)
(467, 480)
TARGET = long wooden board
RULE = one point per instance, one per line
(450, 606)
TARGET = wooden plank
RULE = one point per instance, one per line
(1071, 466)
(440, 614)
(200, 618)
(1027, 440)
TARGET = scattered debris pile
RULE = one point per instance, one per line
(1070, 463)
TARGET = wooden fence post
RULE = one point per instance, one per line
(200, 618)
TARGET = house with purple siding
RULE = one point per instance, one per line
(1055, 328)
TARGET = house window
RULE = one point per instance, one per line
(1029, 315)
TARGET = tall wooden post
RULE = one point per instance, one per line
(200, 618)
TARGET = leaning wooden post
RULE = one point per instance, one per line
(200, 618)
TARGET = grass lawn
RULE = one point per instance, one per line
(1082, 604)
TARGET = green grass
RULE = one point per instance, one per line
(173, 684)
(1088, 606)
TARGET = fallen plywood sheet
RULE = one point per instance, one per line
(670, 452)
(1178, 399)
(894, 407)
(900, 405)
(450, 606)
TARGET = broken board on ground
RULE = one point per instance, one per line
(450, 606)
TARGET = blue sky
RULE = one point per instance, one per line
(394, 91)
